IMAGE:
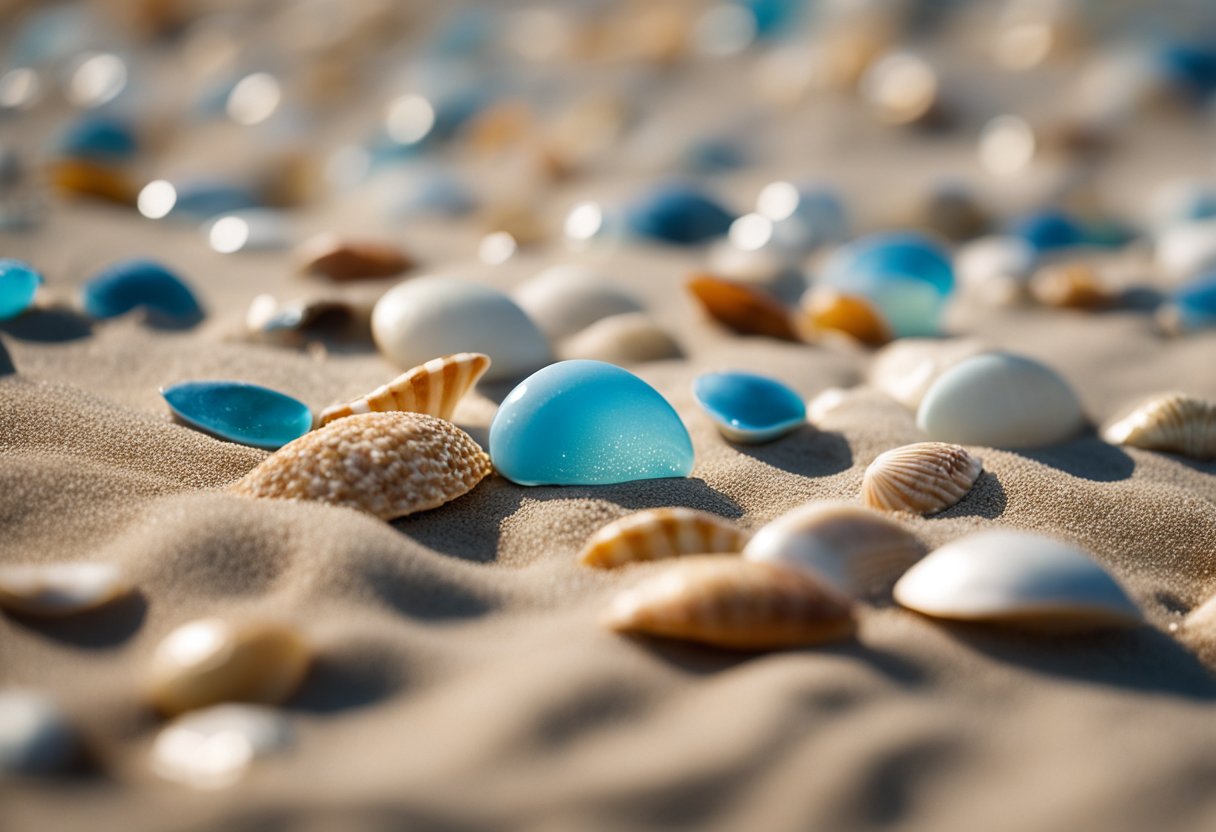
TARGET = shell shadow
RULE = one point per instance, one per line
(105, 627)
(6, 361)
(1088, 458)
(52, 325)
(985, 499)
(499, 389)
(808, 452)
(686, 492)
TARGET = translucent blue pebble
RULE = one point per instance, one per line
(1195, 303)
(98, 139)
(1050, 231)
(749, 408)
(18, 284)
(239, 412)
(587, 423)
(680, 214)
(140, 283)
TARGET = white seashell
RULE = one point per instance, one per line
(563, 300)
(1184, 250)
(434, 388)
(1174, 422)
(853, 549)
(661, 533)
(35, 735)
(60, 589)
(632, 338)
(214, 747)
(1003, 401)
(922, 478)
(1016, 578)
(906, 368)
(426, 316)
(996, 269)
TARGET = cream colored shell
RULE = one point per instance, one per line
(661, 533)
(921, 478)
(1174, 422)
(631, 338)
(434, 388)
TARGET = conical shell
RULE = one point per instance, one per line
(855, 550)
(921, 478)
(60, 589)
(211, 660)
(1175, 423)
(741, 308)
(387, 464)
(434, 387)
(661, 533)
(730, 602)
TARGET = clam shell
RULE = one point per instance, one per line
(823, 308)
(212, 748)
(632, 338)
(60, 589)
(661, 533)
(1174, 422)
(211, 660)
(729, 602)
(434, 388)
(907, 368)
(921, 478)
(742, 308)
(854, 550)
(1018, 579)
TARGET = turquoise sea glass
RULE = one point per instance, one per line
(677, 213)
(239, 412)
(131, 284)
(748, 407)
(99, 139)
(18, 285)
(587, 423)
(1195, 303)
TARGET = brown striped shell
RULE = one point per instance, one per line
(921, 478)
(1175, 422)
(60, 589)
(661, 533)
(387, 464)
(730, 602)
(434, 387)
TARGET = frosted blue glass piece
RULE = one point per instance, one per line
(131, 284)
(100, 139)
(1050, 231)
(18, 285)
(239, 412)
(748, 407)
(587, 423)
(676, 213)
(1195, 303)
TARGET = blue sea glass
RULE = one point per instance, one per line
(749, 408)
(907, 276)
(140, 283)
(587, 423)
(679, 214)
(1190, 66)
(1195, 303)
(99, 139)
(775, 17)
(239, 412)
(18, 285)
(1050, 231)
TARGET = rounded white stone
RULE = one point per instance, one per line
(212, 748)
(906, 368)
(563, 300)
(632, 338)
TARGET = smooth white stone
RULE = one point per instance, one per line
(212, 748)
(631, 338)
(907, 367)
(35, 735)
(563, 300)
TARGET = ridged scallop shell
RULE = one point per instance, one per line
(855, 550)
(213, 748)
(60, 589)
(730, 602)
(211, 660)
(921, 478)
(742, 308)
(387, 464)
(434, 388)
(1175, 423)
(661, 533)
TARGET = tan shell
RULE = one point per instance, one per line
(1175, 422)
(387, 464)
(340, 260)
(434, 387)
(211, 660)
(730, 602)
(661, 533)
(921, 478)
(1071, 286)
(742, 308)
(631, 338)
(60, 589)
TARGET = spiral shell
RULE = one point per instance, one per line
(922, 478)
(434, 388)
(661, 533)
(1175, 422)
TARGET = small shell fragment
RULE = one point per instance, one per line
(212, 748)
(729, 602)
(661, 533)
(387, 464)
(60, 589)
(742, 308)
(435, 388)
(922, 478)
(341, 260)
(1174, 422)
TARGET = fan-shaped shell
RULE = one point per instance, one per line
(1175, 423)
(661, 533)
(60, 589)
(921, 478)
(434, 387)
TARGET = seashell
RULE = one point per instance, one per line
(902, 88)
(445, 315)
(132, 284)
(387, 464)
(564, 300)
(995, 269)
(854, 550)
(60, 589)
(19, 284)
(1174, 422)
(661, 533)
(213, 748)
(742, 308)
(587, 423)
(239, 412)
(734, 603)
(258, 229)
(1018, 579)
(80, 178)
(922, 478)
(677, 213)
(211, 660)
(1191, 306)
(827, 309)
(340, 260)
(907, 368)
(1071, 286)
(434, 388)
(36, 737)
(749, 408)
(1000, 400)
(632, 338)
